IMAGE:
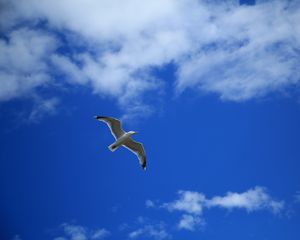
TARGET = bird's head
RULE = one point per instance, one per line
(132, 132)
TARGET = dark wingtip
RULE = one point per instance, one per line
(144, 167)
(98, 117)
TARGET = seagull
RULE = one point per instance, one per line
(124, 139)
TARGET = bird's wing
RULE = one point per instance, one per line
(113, 124)
(138, 149)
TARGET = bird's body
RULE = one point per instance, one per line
(120, 141)
(124, 139)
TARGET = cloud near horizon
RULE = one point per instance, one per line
(238, 52)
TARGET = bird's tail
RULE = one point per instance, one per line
(113, 147)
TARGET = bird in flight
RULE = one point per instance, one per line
(124, 139)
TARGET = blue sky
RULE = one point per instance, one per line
(212, 87)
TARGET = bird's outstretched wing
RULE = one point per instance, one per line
(113, 124)
(138, 149)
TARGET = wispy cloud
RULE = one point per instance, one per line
(43, 107)
(146, 228)
(236, 51)
(246, 57)
(149, 204)
(100, 234)
(150, 231)
(78, 232)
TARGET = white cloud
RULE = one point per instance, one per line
(189, 202)
(247, 57)
(192, 205)
(237, 52)
(24, 62)
(78, 232)
(251, 200)
(190, 222)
